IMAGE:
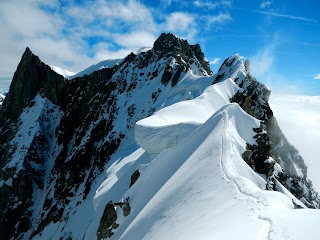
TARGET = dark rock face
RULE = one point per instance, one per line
(134, 177)
(31, 76)
(107, 222)
(169, 44)
(247, 157)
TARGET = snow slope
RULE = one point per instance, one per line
(202, 189)
(62, 71)
(197, 188)
(103, 64)
(171, 125)
(31, 128)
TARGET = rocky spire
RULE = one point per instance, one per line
(31, 76)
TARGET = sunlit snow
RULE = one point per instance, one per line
(194, 184)
(62, 71)
(103, 64)
(172, 124)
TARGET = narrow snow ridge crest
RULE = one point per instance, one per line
(169, 126)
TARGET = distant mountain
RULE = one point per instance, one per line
(152, 146)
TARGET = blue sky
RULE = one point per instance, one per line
(280, 37)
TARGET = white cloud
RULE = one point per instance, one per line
(22, 24)
(181, 24)
(212, 4)
(24, 20)
(167, 3)
(316, 76)
(263, 67)
(81, 14)
(103, 52)
(221, 18)
(130, 12)
(299, 118)
(215, 61)
(311, 44)
(262, 62)
(265, 4)
(274, 14)
(135, 39)
(179, 21)
(61, 35)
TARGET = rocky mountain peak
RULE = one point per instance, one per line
(27, 52)
(31, 76)
(169, 44)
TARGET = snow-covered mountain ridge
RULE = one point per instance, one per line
(71, 167)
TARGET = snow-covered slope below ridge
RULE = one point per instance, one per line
(62, 71)
(202, 189)
(90, 179)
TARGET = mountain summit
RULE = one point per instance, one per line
(152, 146)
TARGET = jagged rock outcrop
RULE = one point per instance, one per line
(134, 177)
(272, 146)
(31, 77)
(187, 55)
(107, 222)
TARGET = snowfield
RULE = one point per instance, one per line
(103, 64)
(202, 189)
(62, 71)
(194, 183)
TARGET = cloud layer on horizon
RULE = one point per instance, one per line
(299, 119)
